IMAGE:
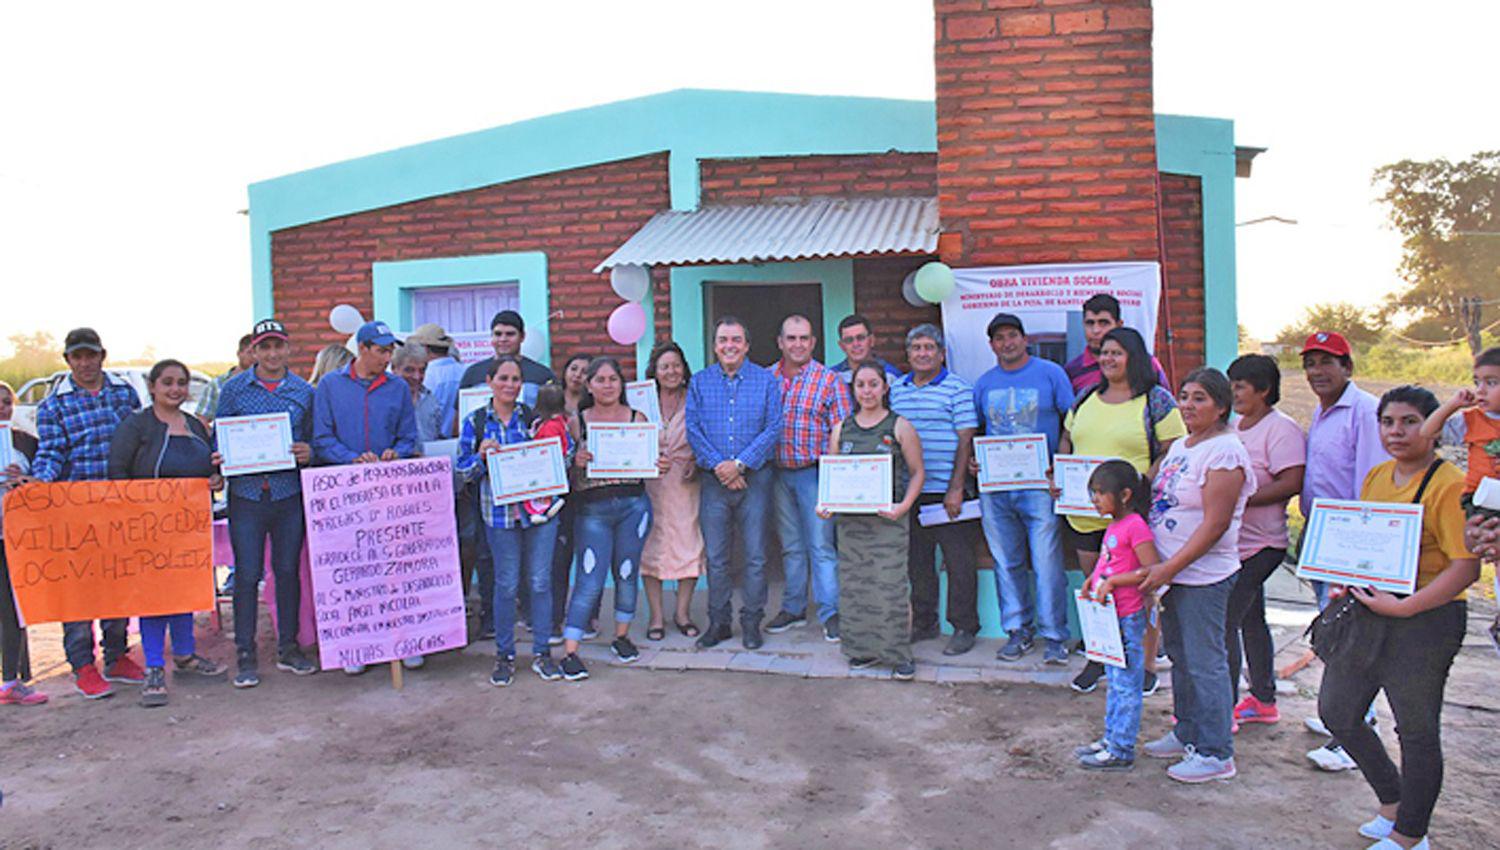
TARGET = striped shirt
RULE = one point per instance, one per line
(811, 404)
(74, 427)
(937, 410)
(245, 394)
(472, 466)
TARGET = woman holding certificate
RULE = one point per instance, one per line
(874, 588)
(163, 441)
(1417, 636)
(1197, 504)
(516, 542)
(1130, 416)
(617, 452)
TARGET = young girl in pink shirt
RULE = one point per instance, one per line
(1128, 549)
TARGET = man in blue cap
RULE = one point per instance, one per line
(364, 414)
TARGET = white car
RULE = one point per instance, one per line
(34, 391)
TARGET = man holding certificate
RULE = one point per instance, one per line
(1021, 403)
(265, 496)
(733, 422)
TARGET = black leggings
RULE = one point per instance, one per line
(1412, 669)
(12, 638)
(1246, 619)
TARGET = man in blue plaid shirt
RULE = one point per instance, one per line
(74, 426)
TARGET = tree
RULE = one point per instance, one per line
(1348, 319)
(1448, 214)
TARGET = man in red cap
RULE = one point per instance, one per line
(1343, 445)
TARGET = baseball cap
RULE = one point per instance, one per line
(267, 329)
(431, 335)
(375, 333)
(82, 338)
(1332, 342)
(508, 317)
(1004, 320)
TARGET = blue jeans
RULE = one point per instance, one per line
(611, 531)
(1026, 543)
(806, 539)
(154, 637)
(1122, 706)
(78, 642)
(1192, 625)
(720, 512)
(527, 547)
(250, 523)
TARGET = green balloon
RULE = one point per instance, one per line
(934, 282)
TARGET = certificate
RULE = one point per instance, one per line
(641, 395)
(470, 400)
(7, 448)
(1368, 544)
(1071, 473)
(251, 444)
(1012, 463)
(854, 484)
(623, 450)
(528, 470)
(1101, 630)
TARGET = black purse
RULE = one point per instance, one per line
(1347, 633)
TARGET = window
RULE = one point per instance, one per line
(464, 309)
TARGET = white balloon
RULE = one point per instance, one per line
(532, 346)
(345, 318)
(630, 282)
(909, 290)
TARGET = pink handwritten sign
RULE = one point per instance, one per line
(384, 550)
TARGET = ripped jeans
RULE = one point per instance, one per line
(609, 534)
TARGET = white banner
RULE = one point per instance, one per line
(1042, 296)
(472, 347)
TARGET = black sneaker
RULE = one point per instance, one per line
(293, 661)
(624, 649)
(831, 629)
(504, 673)
(960, 642)
(248, 674)
(750, 635)
(1089, 679)
(546, 668)
(1017, 644)
(904, 672)
(715, 634)
(863, 663)
(1149, 684)
(783, 621)
(573, 669)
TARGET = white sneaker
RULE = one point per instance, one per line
(1165, 747)
(1332, 758)
(413, 663)
(1315, 725)
(354, 669)
(1387, 844)
(1379, 827)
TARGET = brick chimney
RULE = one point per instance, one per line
(1046, 138)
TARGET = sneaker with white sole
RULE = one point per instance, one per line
(1089, 749)
(1377, 828)
(1165, 747)
(1196, 767)
(1105, 761)
(1315, 725)
(1331, 757)
(831, 629)
(1388, 844)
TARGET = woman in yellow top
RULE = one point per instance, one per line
(1422, 632)
(1128, 415)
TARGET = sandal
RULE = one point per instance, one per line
(688, 629)
(656, 633)
(199, 666)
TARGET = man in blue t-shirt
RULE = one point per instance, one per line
(1025, 395)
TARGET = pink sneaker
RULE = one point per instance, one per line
(1252, 710)
(18, 693)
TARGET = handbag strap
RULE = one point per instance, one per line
(1426, 479)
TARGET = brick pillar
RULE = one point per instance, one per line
(1046, 138)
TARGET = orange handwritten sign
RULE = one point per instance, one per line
(91, 550)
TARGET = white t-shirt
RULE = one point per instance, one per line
(1177, 505)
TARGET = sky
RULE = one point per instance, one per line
(135, 128)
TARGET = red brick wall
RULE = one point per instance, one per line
(577, 217)
(751, 180)
(877, 296)
(1046, 138)
(1182, 276)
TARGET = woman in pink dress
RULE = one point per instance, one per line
(674, 548)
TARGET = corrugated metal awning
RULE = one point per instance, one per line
(790, 229)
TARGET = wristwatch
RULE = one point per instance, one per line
(740, 465)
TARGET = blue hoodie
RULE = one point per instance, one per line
(352, 416)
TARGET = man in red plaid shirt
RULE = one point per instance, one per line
(813, 400)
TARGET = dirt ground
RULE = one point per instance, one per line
(646, 758)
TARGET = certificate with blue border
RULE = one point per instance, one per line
(1365, 544)
(1012, 463)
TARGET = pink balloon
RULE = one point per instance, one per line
(627, 323)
